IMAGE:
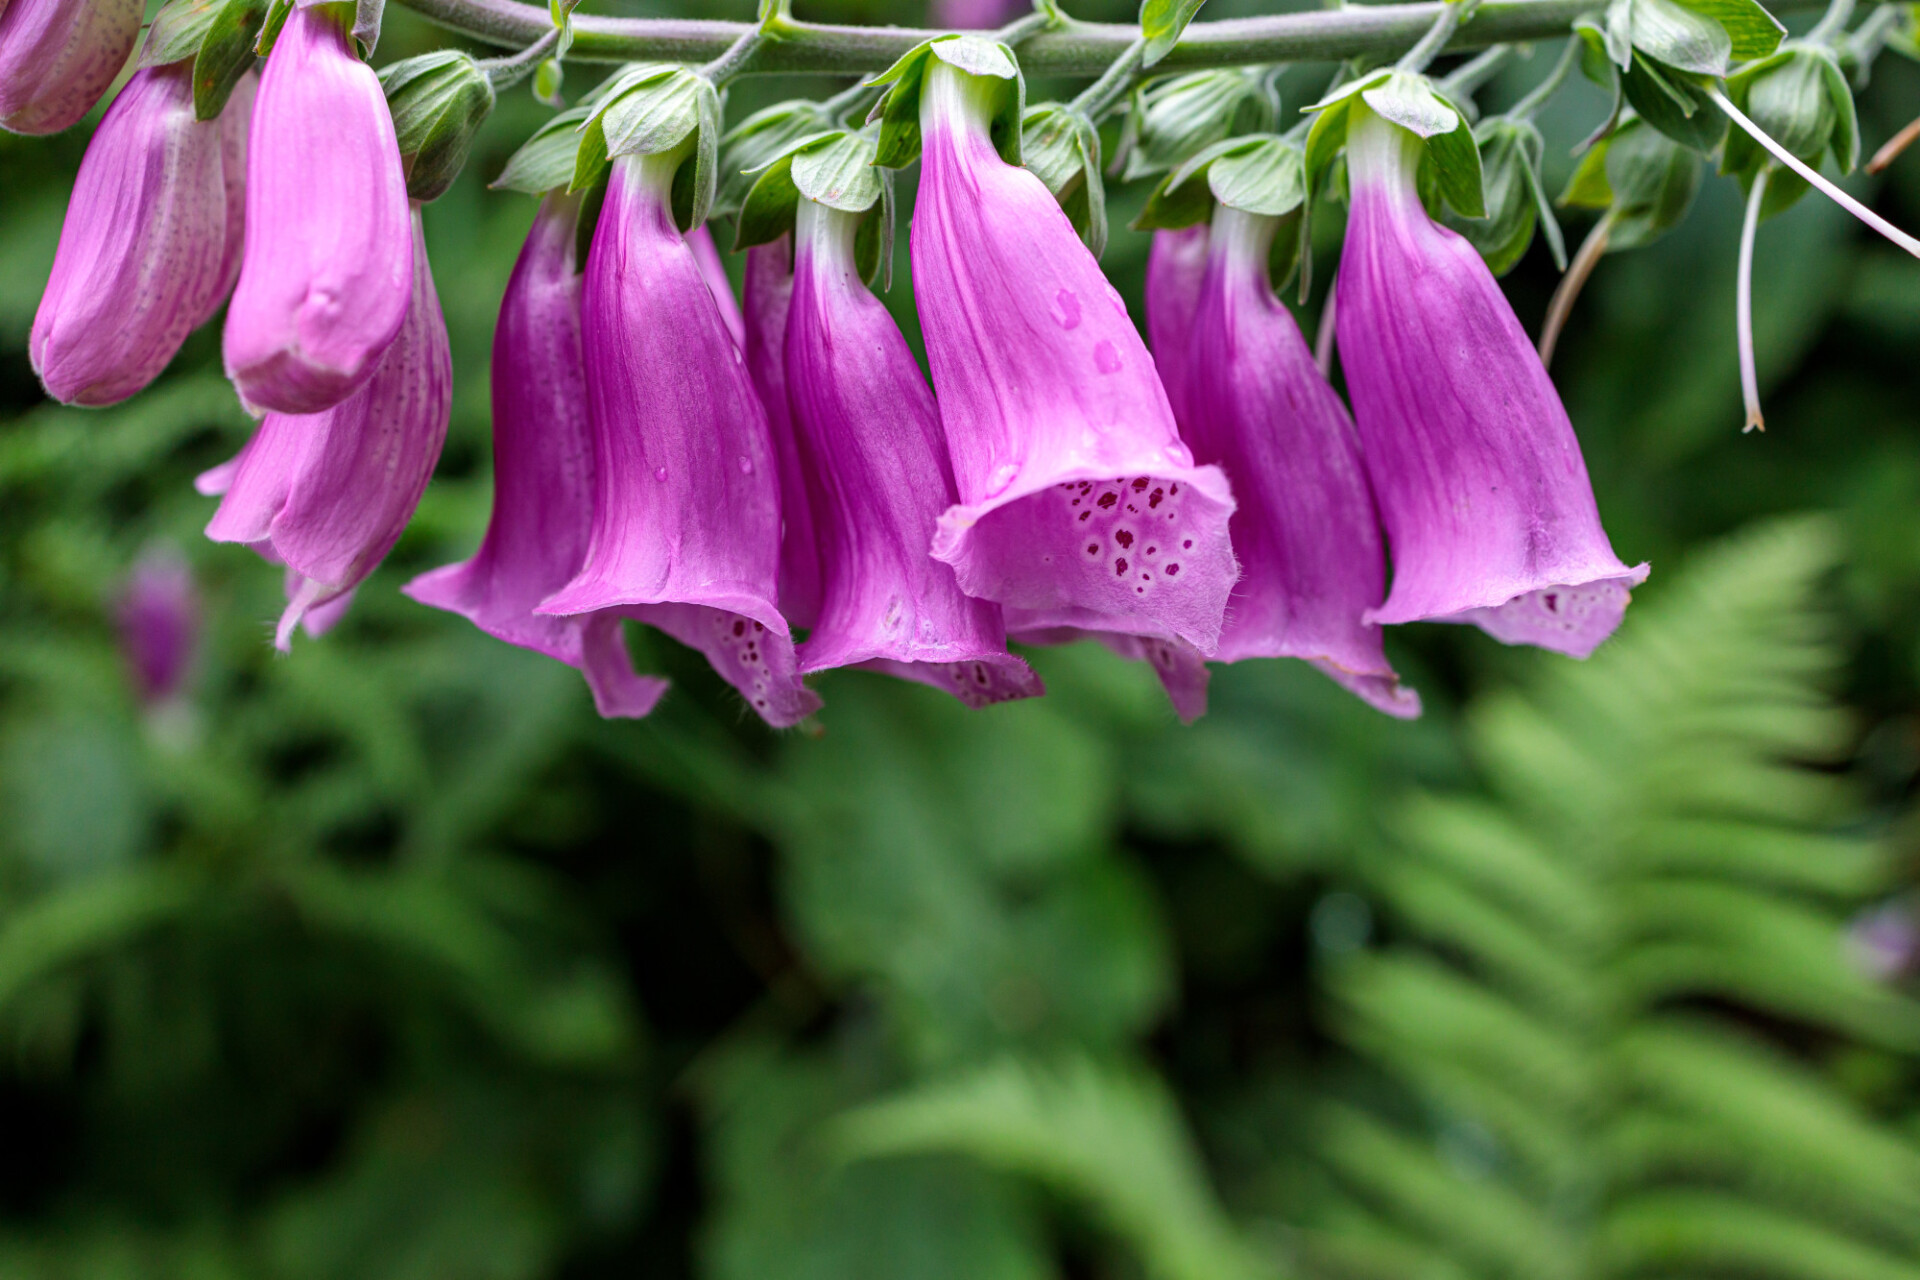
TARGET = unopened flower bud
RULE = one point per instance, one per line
(58, 56)
(439, 101)
(142, 257)
(1181, 117)
(328, 267)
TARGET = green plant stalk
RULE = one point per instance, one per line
(1077, 49)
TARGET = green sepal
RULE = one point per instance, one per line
(1510, 155)
(1177, 117)
(1678, 36)
(178, 30)
(277, 14)
(1062, 148)
(1260, 173)
(1755, 32)
(749, 145)
(438, 101)
(836, 169)
(1598, 65)
(545, 161)
(1801, 98)
(366, 24)
(1675, 103)
(219, 35)
(651, 110)
(1162, 23)
(1411, 101)
(899, 110)
(1645, 179)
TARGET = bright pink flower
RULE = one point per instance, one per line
(1176, 264)
(143, 253)
(1305, 530)
(1489, 513)
(325, 277)
(1065, 454)
(872, 432)
(769, 295)
(542, 479)
(714, 272)
(686, 532)
(328, 494)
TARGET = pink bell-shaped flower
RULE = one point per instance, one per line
(1489, 513)
(1065, 454)
(328, 494)
(707, 257)
(1305, 530)
(58, 56)
(870, 427)
(542, 479)
(769, 296)
(1176, 264)
(686, 532)
(326, 273)
(143, 255)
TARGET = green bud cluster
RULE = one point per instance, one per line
(439, 101)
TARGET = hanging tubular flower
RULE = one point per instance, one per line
(686, 532)
(542, 479)
(769, 296)
(1064, 449)
(324, 278)
(236, 126)
(158, 614)
(328, 494)
(143, 253)
(1488, 510)
(58, 56)
(870, 426)
(714, 272)
(1176, 264)
(1305, 529)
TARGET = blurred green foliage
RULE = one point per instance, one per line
(387, 959)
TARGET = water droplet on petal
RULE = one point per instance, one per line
(1105, 358)
(1002, 477)
(1178, 454)
(659, 473)
(746, 465)
(1066, 309)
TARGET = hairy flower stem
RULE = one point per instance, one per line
(1591, 251)
(1099, 97)
(1832, 22)
(1812, 175)
(506, 72)
(1743, 302)
(1073, 49)
(1538, 95)
(1468, 78)
(734, 60)
(1430, 45)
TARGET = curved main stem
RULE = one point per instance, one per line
(1743, 303)
(1075, 49)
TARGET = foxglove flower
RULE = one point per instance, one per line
(159, 619)
(769, 296)
(1305, 529)
(142, 256)
(686, 529)
(58, 56)
(1489, 513)
(870, 426)
(328, 494)
(1176, 264)
(1065, 454)
(714, 272)
(325, 276)
(542, 479)
(236, 126)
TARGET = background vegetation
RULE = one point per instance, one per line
(387, 960)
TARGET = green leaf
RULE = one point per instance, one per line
(839, 172)
(1109, 1138)
(1674, 104)
(1410, 101)
(1162, 22)
(1680, 37)
(178, 29)
(751, 144)
(1455, 158)
(226, 54)
(546, 161)
(1754, 32)
(1268, 178)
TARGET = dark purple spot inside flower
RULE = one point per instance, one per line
(1093, 548)
(1172, 570)
(1123, 536)
(740, 628)
(1120, 566)
(1187, 545)
(1155, 498)
(1107, 501)
(1140, 484)
(1085, 514)
(1173, 490)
